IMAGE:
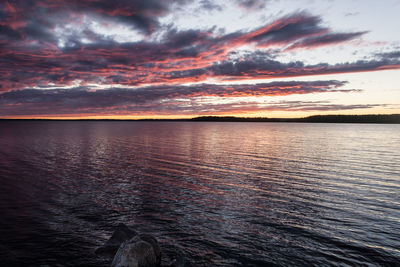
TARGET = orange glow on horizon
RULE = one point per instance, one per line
(242, 113)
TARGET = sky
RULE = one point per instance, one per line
(181, 59)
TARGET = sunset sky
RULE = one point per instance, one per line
(179, 59)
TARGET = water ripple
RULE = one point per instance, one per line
(228, 194)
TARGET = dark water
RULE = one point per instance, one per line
(227, 194)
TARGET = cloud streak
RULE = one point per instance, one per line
(189, 98)
(325, 40)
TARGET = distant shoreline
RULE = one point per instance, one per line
(374, 118)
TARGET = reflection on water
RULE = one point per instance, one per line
(225, 193)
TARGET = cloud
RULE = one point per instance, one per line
(326, 39)
(59, 44)
(148, 63)
(176, 107)
(210, 5)
(287, 29)
(31, 54)
(7, 33)
(142, 14)
(251, 4)
(88, 100)
(259, 68)
(393, 55)
(284, 106)
(182, 57)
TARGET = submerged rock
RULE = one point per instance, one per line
(120, 235)
(154, 243)
(129, 249)
(177, 259)
(140, 251)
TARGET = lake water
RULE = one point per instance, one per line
(226, 194)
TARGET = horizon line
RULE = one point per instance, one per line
(331, 118)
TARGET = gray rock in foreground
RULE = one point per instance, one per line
(120, 235)
(128, 248)
(140, 251)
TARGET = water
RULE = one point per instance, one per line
(227, 194)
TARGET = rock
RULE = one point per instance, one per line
(120, 235)
(177, 260)
(154, 243)
(140, 251)
(180, 261)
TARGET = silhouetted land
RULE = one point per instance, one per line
(393, 118)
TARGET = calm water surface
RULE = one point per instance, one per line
(227, 194)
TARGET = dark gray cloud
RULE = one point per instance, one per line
(288, 29)
(251, 4)
(326, 39)
(142, 14)
(393, 55)
(7, 33)
(210, 5)
(259, 67)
